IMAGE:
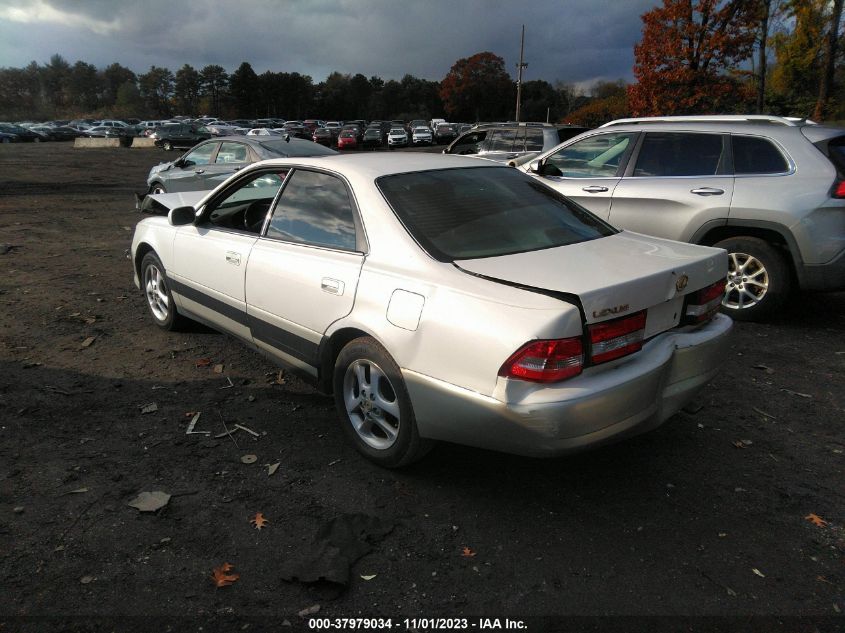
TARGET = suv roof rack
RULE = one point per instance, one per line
(715, 118)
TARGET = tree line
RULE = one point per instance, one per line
(695, 57)
(60, 90)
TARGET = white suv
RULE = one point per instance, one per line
(769, 190)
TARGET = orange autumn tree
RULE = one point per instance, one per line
(687, 55)
(478, 88)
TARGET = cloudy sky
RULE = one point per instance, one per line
(576, 41)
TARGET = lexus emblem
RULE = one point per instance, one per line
(681, 283)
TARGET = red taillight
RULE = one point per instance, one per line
(839, 189)
(546, 361)
(704, 303)
(617, 338)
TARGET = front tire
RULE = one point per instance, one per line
(374, 406)
(156, 289)
(759, 279)
(157, 187)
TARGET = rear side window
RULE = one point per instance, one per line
(679, 154)
(501, 140)
(485, 212)
(755, 155)
(314, 209)
(533, 140)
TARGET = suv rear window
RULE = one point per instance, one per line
(836, 152)
(485, 212)
(755, 155)
(679, 154)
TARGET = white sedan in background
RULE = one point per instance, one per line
(438, 298)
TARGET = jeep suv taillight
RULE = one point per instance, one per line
(546, 360)
(839, 189)
(617, 338)
(703, 304)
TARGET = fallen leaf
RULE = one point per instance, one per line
(758, 572)
(309, 611)
(249, 459)
(272, 468)
(280, 378)
(467, 552)
(259, 521)
(369, 577)
(78, 491)
(743, 443)
(87, 342)
(816, 520)
(86, 579)
(203, 362)
(150, 501)
(765, 368)
(222, 577)
(190, 414)
(218, 369)
(150, 407)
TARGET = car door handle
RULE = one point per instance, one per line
(235, 168)
(199, 171)
(233, 258)
(333, 286)
(707, 191)
(594, 189)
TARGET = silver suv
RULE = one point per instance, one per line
(512, 142)
(769, 190)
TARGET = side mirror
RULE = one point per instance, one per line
(181, 216)
(535, 166)
(446, 151)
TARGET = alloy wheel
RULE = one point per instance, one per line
(748, 281)
(372, 406)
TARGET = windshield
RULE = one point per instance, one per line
(476, 212)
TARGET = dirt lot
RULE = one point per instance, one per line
(704, 517)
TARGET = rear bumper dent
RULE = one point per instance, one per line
(590, 410)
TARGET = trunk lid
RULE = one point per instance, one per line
(614, 276)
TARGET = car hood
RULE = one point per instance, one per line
(626, 270)
(161, 203)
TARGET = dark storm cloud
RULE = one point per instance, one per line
(570, 40)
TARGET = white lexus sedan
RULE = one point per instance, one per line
(441, 298)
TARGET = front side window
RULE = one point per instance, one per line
(476, 212)
(469, 143)
(232, 153)
(597, 156)
(679, 154)
(314, 209)
(244, 207)
(755, 155)
(201, 155)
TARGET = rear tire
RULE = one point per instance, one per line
(759, 278)
(374, 407)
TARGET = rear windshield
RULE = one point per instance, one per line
(307, 148)
(477, 212)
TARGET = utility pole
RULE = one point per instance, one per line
(519, 67)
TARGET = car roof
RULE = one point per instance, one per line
(374, 165)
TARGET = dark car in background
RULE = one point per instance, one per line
(23, 135)
(59, 133)
(372, 137)
(445, 133)
(179, 135)
(323, 136)
(212, 161)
